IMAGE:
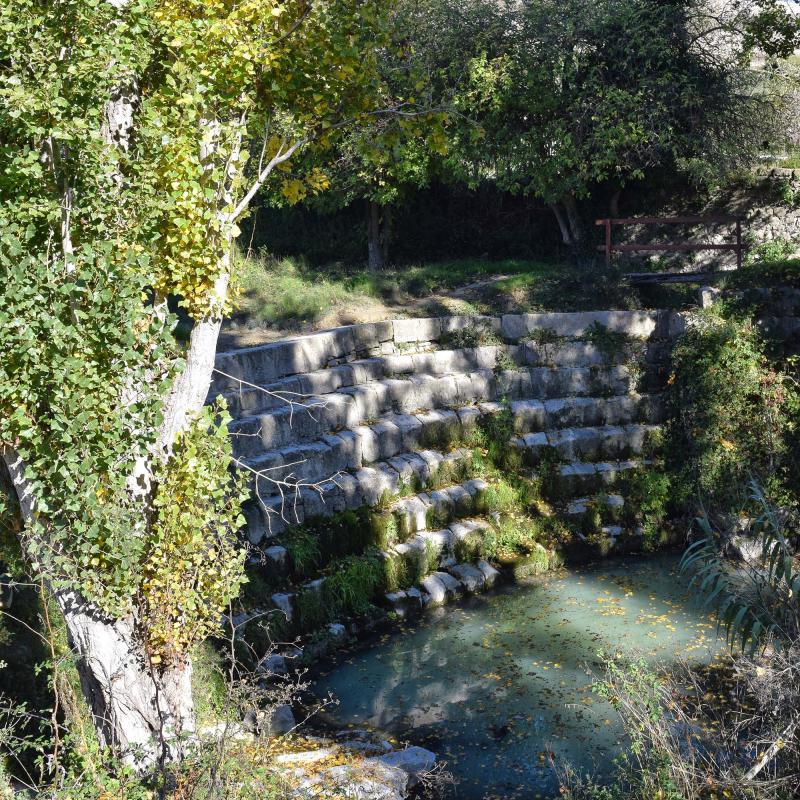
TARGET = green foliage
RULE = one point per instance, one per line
(614, 110)
(352, 583)
(612, 344)
(493, 433)
(760, 606)
(771, 251)
(74, 341)
(395, 573)
(649, 497)
(501, 497)
(536, 562)
(193, 564)
(208, 684)
(730, 410)
(304, 549)
(514, 536)
(503, 363)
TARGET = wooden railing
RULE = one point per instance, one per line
(609, 248)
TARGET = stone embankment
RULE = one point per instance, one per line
(370, 426)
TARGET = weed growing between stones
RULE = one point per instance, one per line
(503, 363)
(304, 549)
(352, 584)
(546, 339)
(474, 335)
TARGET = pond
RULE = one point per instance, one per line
(498, 686)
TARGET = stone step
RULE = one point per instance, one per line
(246, 400)
(579, 506)
(266, 364)
(590, 443)
(582, 477)
(430, 510)
(356, 467)
(366, 403)
(425, 554)
(270, 511)
(396, 434)
(443, 543)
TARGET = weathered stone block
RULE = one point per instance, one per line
(368, 369)
(452, 586)
(436, 589)
(416, 330)
(471, 577)
(490, 575)
(410, 430)
(529, 415)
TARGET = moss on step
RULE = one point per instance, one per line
(538, 561)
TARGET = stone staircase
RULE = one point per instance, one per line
(384, 417)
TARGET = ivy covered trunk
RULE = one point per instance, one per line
(126, 127)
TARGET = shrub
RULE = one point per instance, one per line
(730, 410)
(500, 496)
(648, 499)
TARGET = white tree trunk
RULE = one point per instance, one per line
(563, 225)
(145, 714)
(190, 389)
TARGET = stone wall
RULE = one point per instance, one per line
(765, 207)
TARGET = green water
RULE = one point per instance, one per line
(499, 686)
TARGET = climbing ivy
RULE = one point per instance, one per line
(125, 164)
(193, 564)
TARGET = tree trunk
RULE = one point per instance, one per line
(144, 713)
(563, 225)
(377, 239)
(190, 389)
(574, 220)
(613, 205)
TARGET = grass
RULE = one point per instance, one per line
(288, 293)
(285, 295)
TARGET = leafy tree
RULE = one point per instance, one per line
(134, 134)
(571, 95)
(376, 163)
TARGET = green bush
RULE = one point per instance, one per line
(501, 496)
(730, 410)
(649, 499)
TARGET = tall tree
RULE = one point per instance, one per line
(573, 94)
(134, 135)
(377, 163)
